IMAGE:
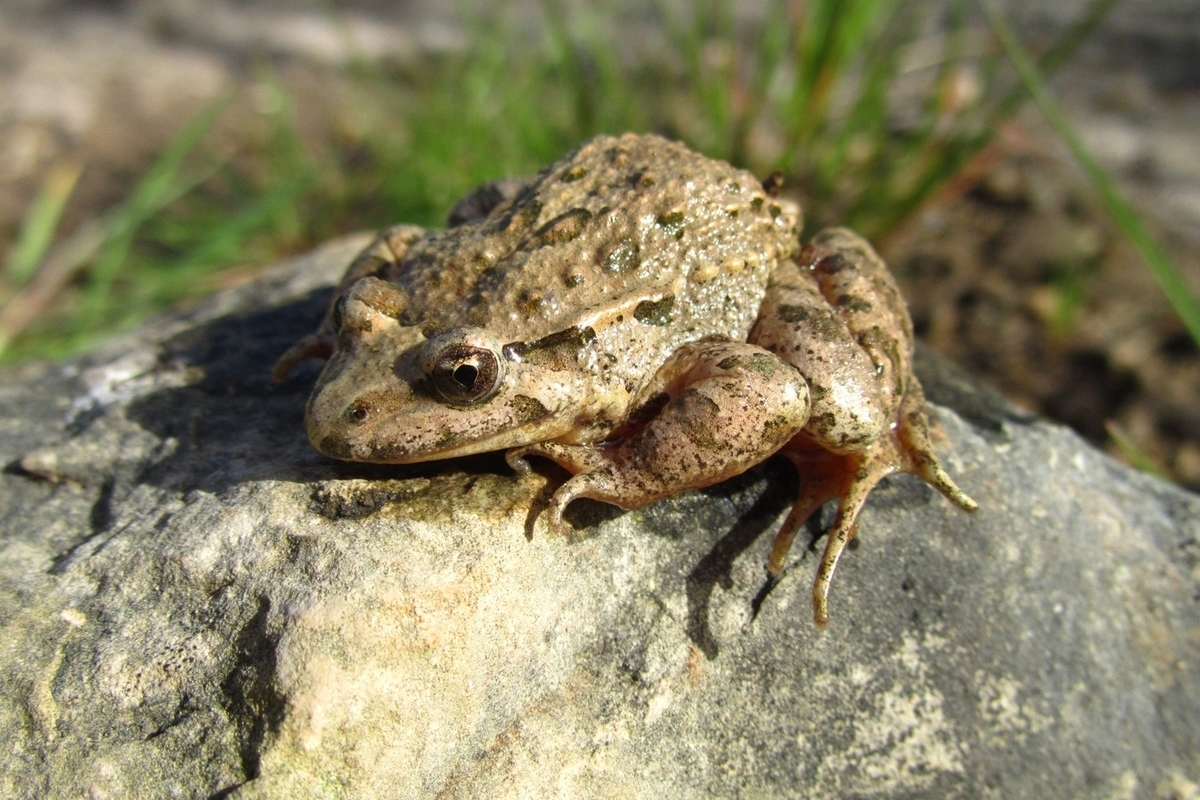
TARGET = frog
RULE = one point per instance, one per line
(647, 318)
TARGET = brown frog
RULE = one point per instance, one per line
(645, 317)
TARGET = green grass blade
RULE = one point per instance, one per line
(832, 38)
(570, 57)
(224, 243)
(953, 159)
(1134, 454)
(1058, 54)
(811, 87)
(865, 128)
(1186, 305)
(37, 233)
(158, 187)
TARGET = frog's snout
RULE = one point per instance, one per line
(349, 417)
(353, 410)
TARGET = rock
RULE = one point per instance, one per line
(195, 603)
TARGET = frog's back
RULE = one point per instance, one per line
(634, 228)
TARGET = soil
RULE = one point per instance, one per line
(1019, 276)
(1026, 283)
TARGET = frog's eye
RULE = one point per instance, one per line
(337, 313)
(464, 373)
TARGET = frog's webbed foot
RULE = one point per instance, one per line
(712, 411)
(850, 478)
(824, 476)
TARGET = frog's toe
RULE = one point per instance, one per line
(820, 483)
(588, 465)
(938, 479)
(825, 476)
(312, 346)
(916, 451)
(597, 485)
(517, 461)
(850, 478)
(839, 537)
(868, 474)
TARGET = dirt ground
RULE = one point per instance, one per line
(1019, 277)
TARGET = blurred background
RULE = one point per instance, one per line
(155, 152)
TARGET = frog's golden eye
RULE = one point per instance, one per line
(466, 374)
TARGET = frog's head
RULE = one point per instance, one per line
(390, 394)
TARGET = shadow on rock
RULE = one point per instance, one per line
(231, 423)
(717, 565)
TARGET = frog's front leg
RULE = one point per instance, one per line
(713, 410)
(377, 260)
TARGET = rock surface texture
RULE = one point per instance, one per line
(196, 604)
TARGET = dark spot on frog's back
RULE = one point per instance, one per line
(655, 312)
(853, 303)
(522, 214)
(531, 303)
(383, 297)
(640, 179)
(617, 156)
(831, 264)
(773, 183)
(672, 223)
(528, 409)
(554, 351)
(573, 174)
(622, 257)
(563, 228)
(793, 314)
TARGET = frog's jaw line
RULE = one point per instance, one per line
(422, 429)
(387, 453)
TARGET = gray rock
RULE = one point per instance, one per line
(194, 603)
